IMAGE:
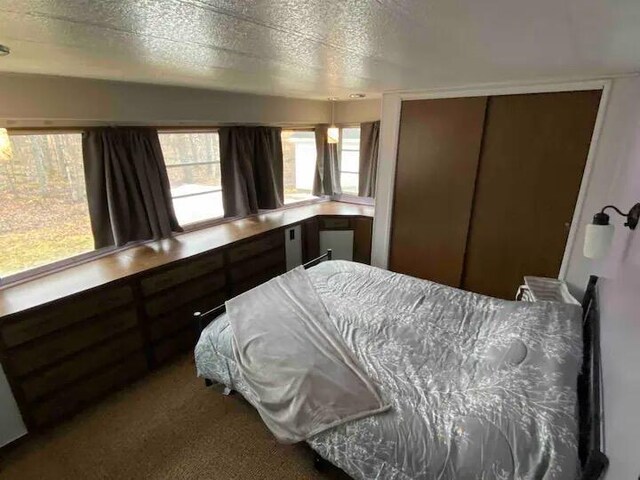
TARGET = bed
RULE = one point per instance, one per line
(478, 387)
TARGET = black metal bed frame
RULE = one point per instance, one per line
(590, 404)
(593, 461)
(205, 318)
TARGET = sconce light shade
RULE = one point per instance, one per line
(333, 134)
(6, 153)
(598, 240)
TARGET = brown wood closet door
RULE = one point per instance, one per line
(438, 150)
(533, 156)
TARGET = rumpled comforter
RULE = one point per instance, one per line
(480, 388)
(301, 377)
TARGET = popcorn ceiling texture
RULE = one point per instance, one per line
(316, 48)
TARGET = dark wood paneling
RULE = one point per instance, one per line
(335, 223)
(46, 320)
(266, 261)
(184, 294)
(255, 247)
(533, 156)
(181, 318)
(362, 239)
(48, 350)
(438, 151)
(169, 348)
(80, 365)
(182, 273)
(310, 239)
(257, 279)
(91, 389)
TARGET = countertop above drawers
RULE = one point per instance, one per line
(141, 258)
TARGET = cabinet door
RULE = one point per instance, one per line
(533, 156)
(438, 151)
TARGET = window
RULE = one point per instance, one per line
(349, 159)
(299, 158)
(193, 166)
(43, 202)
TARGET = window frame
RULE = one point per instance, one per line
(186, 130)
(58, 265)
(349, 197)
(86, 257)
(306, 200)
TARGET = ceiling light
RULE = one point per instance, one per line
(333, 99)
(357, 95)
(4, 50)
(333, 132)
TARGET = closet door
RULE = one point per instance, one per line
(532, 161)
(438, 150)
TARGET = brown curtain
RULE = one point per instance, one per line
(127, 186)
(327, 177)
(251, 168)
(369, 139)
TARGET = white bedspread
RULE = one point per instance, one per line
(301, 377)
(479, 388)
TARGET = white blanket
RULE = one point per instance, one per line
(302, 378)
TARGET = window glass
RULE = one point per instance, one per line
(193, 166)
(349, 160)
(299, 157)
(43, 202)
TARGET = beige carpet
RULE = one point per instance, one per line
(166, 426)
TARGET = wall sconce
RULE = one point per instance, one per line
(599, 233)
(6, 152)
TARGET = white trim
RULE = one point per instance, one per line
(389, 131)
(584, 184)
(386, 176)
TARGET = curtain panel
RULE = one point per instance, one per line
(327, 177)
(369, 139)
(252, 169)
(128, 188)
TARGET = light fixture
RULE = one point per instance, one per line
(6, 152)
(333, 132)
(599, 233)
(4, 50)
(357, 95)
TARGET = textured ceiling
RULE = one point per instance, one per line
(320, 48)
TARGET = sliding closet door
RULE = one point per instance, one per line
(533, 157)
(438, 150)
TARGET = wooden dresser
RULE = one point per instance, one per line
(72, 337)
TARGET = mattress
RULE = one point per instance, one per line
(479, 387)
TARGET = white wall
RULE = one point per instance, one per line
(11, 425)
(39, 100)
(358, 111)
(616, 180)
(36, 100)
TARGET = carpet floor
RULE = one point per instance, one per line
(165, 426)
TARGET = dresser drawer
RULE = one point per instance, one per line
(81, 394)
(256, 280)
(82, 364)
(170, 347)
(50, 318)
(252, 248)
(50, 349)
(180, 274)
(184, 294)
(181, 318)
(335, 223)
(256, 265)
